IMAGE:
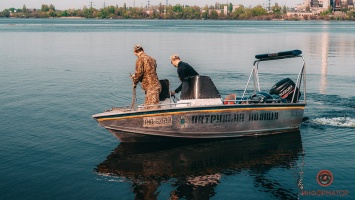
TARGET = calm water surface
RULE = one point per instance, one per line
(56, 73)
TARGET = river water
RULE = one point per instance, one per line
(56, 73)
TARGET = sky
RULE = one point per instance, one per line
(78, 4)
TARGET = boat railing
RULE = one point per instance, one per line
(251, 101)
(120, 108)
(164, 105)
(143, 107)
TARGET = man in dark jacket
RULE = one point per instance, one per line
(184, 70)
(146, 73)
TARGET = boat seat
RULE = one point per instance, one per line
(165, 92)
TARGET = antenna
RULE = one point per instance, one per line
(90, 4)
(166, 7)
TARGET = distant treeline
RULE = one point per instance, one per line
(176, 12)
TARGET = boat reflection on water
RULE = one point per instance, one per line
(195, 169)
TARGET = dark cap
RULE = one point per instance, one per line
(137, 47)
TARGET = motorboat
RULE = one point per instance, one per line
(202, 113)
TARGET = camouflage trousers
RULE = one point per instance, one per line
(152, 98)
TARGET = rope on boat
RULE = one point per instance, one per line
(134, 93)
(133, 97)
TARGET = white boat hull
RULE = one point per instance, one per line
(203, 122)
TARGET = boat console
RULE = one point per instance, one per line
(199, 87)
(199, 91)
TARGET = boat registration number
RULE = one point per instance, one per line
(157, 121)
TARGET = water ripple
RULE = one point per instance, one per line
(336, 121)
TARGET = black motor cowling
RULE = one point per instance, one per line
(285, 89)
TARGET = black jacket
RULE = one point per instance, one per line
(184, 70)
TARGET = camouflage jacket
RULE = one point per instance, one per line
(146, 72)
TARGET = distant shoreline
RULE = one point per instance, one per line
(262, 18)
(71, 17)
(184, 12)
(180, 19)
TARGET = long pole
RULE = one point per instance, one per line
(134, 92)
(133, 97)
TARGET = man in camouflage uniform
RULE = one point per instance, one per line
(147, 74)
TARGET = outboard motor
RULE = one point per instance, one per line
(285, 89)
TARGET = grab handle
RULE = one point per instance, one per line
(279, 55)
